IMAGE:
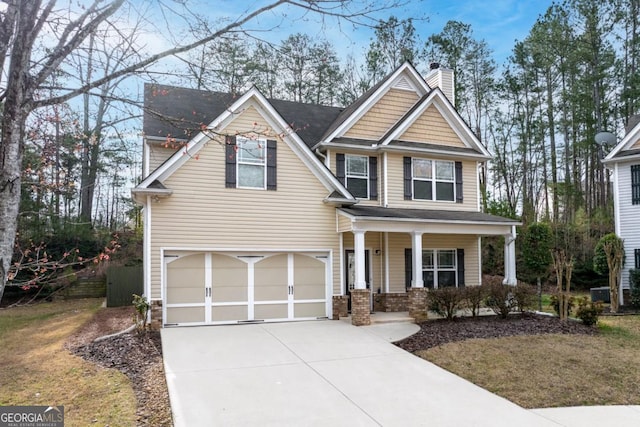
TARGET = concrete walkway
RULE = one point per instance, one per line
(322, 373)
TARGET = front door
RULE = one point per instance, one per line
(350, 272)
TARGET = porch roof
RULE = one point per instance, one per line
(377, 218)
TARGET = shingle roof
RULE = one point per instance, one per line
(180, 112)
(424, 214)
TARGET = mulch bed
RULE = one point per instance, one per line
(138, 356)
(438, 332)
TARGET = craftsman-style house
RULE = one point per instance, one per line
(258, 209)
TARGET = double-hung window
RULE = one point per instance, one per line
(433, 179)
(251, 164)
(357, 175)
(439, 267)
(635, 184)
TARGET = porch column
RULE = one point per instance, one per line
(360, 295)
(510, 258)
(417, 293)
(358, 249)
(416, 280)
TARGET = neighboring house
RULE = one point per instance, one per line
(266, 210)
(624, 161)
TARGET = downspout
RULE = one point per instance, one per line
(146, 252)
(322, 156)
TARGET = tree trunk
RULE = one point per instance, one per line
(11, 149)
(16, 108)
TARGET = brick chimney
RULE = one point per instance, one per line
(442, 78)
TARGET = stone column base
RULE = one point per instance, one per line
(360, 307)
(418, 304)
(156, 315)
(340, 307)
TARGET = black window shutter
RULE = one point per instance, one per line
(272, 175)
(340, 168)
(458, 182)
(460, 253)
(635, 184)
(408, 267)
(636, 253)
(373, 178)
(230, 162)
(408, 193)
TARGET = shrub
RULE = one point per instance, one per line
(589, 311)
(445, 301)
(634, 282)
(142, 307)
(525, 296)
(500, 298)
(473, 297)
(555, 303)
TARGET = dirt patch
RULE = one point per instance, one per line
(139, 356)
(437, 332)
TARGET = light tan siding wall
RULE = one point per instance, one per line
(158, 154)
(202, 213)
(635, 145)
(384, 114)
(431, 127)
(395, 170)
(344, 223)
(398, 242)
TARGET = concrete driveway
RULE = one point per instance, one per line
(322, 373)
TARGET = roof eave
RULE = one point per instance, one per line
(618, 159)
(356, 218)
(339, 201)
(397, 149)
(140, 194)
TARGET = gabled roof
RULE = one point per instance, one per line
(226, 115)
(437, 99)
(624, 150)
(179, 113)
(405, 75)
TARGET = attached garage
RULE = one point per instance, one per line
(221, 288)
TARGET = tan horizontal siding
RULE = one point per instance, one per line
(384, 114)
(431, 127)
(395, 170)
(201, 212)
(158, 154)
(398, 242)
(635, 145)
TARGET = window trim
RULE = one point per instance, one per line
(348, 176)
(436, 268)
(240, 141)
(433, 180)
(635, 184)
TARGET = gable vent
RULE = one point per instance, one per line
(403, 83)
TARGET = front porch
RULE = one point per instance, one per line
(390, 257)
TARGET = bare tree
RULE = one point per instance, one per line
(37, 38)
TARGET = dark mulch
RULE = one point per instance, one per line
(437, 332)
(139, 357)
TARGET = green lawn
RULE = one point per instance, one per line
(36, 369)
(553, 370)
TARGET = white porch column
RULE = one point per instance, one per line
(358, 248)
(416, 261)
(510, 258)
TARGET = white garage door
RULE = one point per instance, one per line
(214, 288)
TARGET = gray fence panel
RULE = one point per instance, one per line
(122, 283)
